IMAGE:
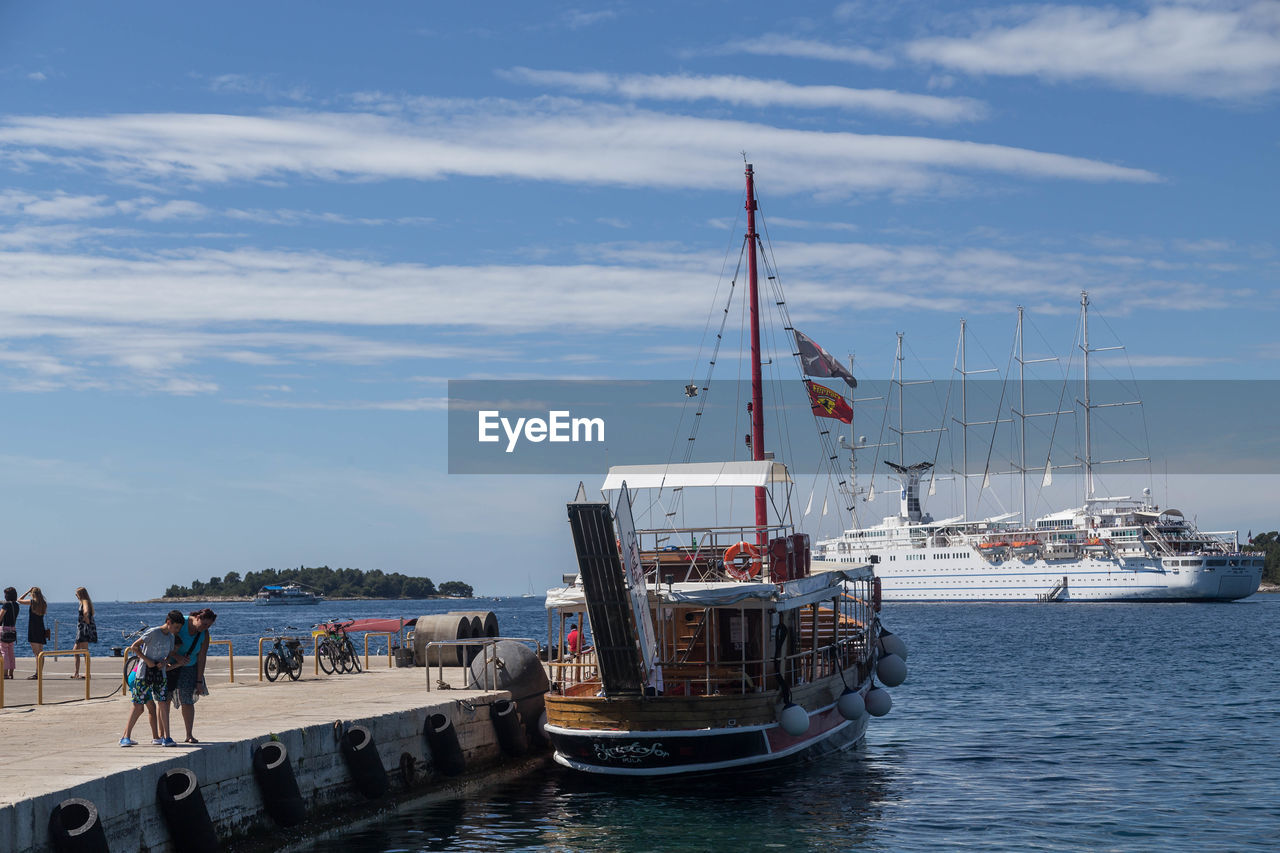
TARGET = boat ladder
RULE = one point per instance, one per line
(1052, 595)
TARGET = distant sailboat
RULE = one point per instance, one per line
(531, 593)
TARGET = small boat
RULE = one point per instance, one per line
(715, 647)
(286, 594)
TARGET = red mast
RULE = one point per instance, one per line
(757, 391)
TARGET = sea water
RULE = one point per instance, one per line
(1039, 726)
(1021, 726)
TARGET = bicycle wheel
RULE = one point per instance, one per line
(272, 666)
(295, 664)
(351, 651)
(324, 655)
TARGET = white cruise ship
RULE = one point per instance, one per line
(1108, 549)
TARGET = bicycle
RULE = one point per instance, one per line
(285, 656)
(336, 652)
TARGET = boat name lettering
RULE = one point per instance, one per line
(558, 426)
(629, 753)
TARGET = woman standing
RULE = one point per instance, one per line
(9, 630)
(86, 629)
(37, 633)
(190, 649)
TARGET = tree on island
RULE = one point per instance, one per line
(458, 589)
(334, 583)
(1269, 545)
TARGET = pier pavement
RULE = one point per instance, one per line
(69, 740)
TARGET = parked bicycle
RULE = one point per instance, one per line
(285, 657)
(336, 652)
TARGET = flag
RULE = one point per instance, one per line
(809, 507)
(818, 362)
(871, 495)
(933, 486)
(1048, 474)
(824, 506)
(986, 481)
(827, 403)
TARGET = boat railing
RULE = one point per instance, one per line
(579, 675)
(576, 671)
(692, 552)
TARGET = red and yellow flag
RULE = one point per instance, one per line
(827, 403)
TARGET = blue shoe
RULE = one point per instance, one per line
(168, 742)
(128, 741)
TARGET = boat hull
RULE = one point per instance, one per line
(285, 602)
(668, 735)
(1088, 579)
(664, 753)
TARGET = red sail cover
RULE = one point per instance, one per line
(827, 403)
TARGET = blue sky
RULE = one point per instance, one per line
(243, 247)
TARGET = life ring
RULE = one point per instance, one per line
(744, 571)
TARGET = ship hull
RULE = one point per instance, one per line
(971, 578)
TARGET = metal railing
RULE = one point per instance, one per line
(88, 663)
(388, 634)
(487, 646)
(231, 656)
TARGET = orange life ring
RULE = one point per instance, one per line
(745, 571)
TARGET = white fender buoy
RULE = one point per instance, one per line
(879, 702)
(794, 719)
(892, 670)
(851, 705)
(892, 644)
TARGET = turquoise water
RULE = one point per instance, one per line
(1060, 727)
(1127, 727)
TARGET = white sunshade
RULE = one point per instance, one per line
(692, 474)
(797, 593)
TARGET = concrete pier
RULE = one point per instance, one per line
(69, 747)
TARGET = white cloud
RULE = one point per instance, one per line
(174, 210)
(146, 321)
(1218, 50)
(265, 86)
(776, 45)
(549, 141)
(37, 76)
(416, 404)
(577, 19)
(754, 92)
(1163, 361)
(56, 205)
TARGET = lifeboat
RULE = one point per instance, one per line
(993, 550)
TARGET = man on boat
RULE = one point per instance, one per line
(574, 639)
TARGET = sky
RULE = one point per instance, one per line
(245, 246)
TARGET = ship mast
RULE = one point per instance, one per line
(757, 390)
(1088, 409)
(1022, 417)
(964, 425)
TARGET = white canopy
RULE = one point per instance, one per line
(760, 473)
(796, 593)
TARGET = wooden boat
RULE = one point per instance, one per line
(713, 647)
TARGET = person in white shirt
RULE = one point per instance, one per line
(147, 680)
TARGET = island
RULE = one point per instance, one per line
(332, 583)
